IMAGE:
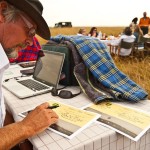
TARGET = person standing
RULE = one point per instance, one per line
(136, 30)
(144, 23)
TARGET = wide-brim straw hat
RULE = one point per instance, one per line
(34, 9)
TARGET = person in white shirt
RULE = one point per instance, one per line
(18, 25)
(127, 36)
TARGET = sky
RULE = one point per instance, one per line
(84, 13)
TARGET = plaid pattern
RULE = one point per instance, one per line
(28, 54)
(98, 60)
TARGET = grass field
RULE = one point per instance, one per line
(137, 69)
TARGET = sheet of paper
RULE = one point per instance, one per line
(12, 71)
(71, 120)
(130, 122)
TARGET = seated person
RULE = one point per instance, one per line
(30, 53)
(82, 32)
(127, 36)
(93, 32)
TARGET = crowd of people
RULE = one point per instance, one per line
(92, 33)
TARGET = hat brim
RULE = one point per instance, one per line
(42, 27)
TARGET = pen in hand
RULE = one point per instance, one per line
(52, 107)
(49, 107)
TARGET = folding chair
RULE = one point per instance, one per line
(142, 46)
(126, 45)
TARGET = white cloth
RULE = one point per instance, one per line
(80, 34)
(4, 64)
(147, 35)
(126, 38)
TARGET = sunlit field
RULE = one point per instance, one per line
(136, 68)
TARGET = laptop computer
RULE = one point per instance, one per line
(46, 76)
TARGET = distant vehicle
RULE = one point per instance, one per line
(63, 24)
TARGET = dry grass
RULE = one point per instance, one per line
(138, 70)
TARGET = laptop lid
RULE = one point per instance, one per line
(48, 67)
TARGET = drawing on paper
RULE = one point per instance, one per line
(130, 122)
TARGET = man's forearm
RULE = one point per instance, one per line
(11, 135)
(35, 122)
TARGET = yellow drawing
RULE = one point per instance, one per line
(132, 116)
(73, 115)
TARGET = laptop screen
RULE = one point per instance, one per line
(48, 68)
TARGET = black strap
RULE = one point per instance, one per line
(64, 93)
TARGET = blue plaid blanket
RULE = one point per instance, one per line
(98, 60)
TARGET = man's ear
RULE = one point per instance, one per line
(3, 6)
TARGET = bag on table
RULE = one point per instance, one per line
(68, 65)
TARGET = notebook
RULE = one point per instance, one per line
(46, 76)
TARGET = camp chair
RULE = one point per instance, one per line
(125, 45)
(142, 46)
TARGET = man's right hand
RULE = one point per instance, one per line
(39, 119)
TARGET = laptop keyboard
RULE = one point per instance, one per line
(33, 85)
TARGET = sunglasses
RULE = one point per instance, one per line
(65, 94)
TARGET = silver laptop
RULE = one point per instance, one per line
(45, 77)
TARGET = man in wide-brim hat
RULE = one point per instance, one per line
(20, 20)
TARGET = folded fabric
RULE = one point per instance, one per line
(96, 92)
(98, 60)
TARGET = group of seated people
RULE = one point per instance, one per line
(130, 34)
(126, 36)
(93, 33)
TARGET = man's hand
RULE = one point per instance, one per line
(39, 119)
